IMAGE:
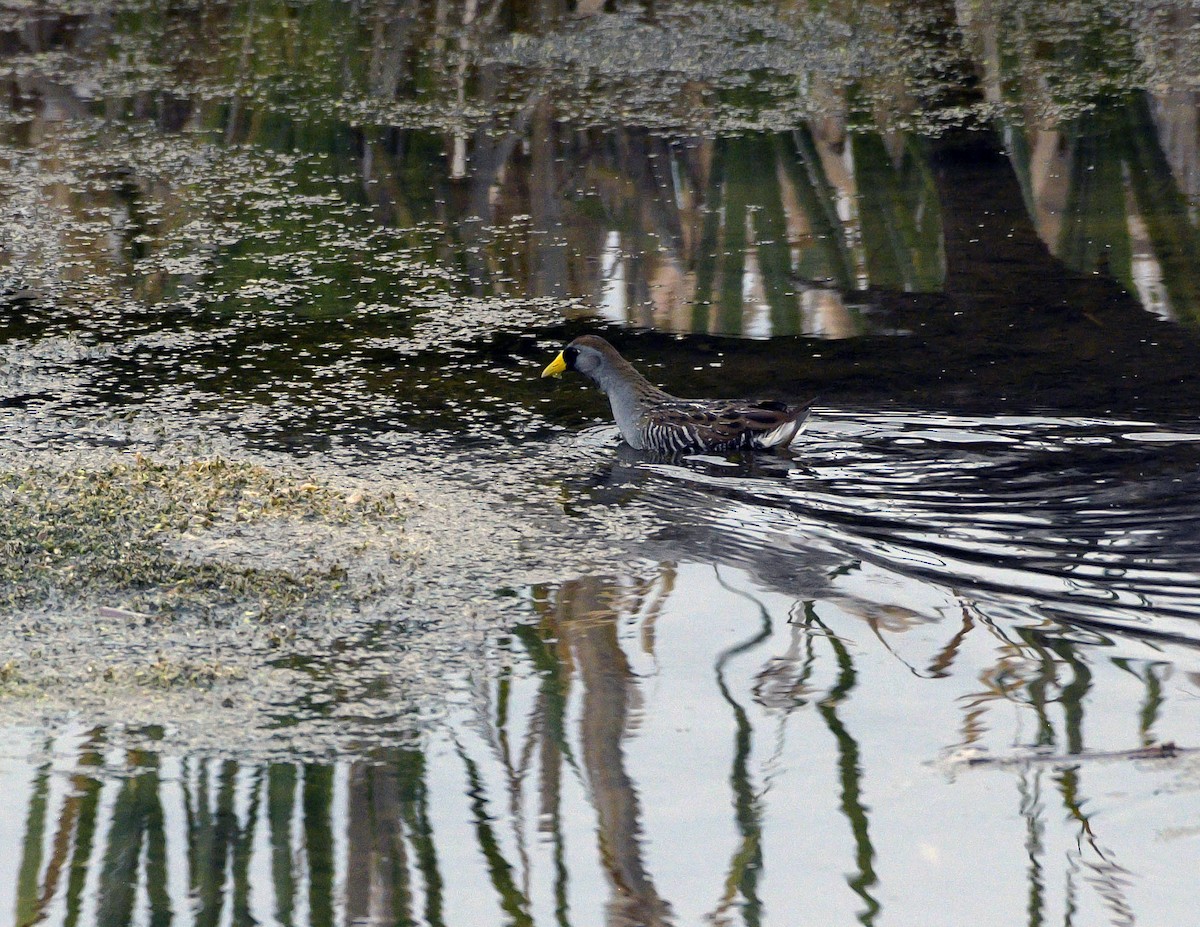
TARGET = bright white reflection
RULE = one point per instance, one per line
(614, 300)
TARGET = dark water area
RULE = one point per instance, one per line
(936, 664)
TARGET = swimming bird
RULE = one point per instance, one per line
(654, 420)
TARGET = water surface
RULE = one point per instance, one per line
(938, 665)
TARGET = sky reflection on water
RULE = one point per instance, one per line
(671, 746)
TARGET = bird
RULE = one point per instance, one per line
(651, 419)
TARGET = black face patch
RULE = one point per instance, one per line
(569, 355)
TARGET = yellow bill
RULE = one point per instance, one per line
(556, 367)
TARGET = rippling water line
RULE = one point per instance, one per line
(1109, 536)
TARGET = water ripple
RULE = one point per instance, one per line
(1084, 520)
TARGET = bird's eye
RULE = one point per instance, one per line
(569, 356)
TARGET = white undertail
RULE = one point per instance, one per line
(784, 434)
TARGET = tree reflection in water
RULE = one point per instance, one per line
(605, 777)
(703, 230)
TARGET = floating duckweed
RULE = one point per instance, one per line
(114, 529)
(167, 673)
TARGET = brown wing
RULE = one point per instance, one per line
(722, 424)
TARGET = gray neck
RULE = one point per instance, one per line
(627, 392)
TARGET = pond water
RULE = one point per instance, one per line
(938, 664)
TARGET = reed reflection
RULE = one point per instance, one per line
(757, 234)
(586, 624)
(608, 777)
